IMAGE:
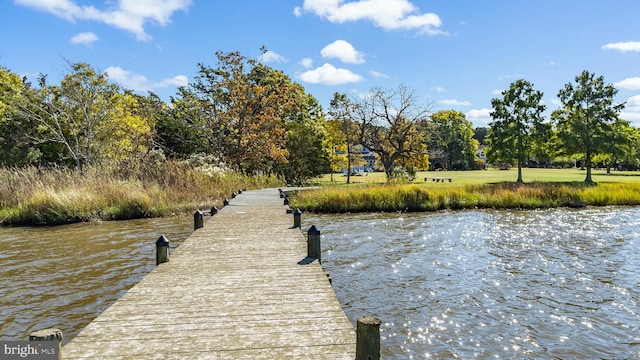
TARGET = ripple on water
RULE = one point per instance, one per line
(65, 276)
(561, 283)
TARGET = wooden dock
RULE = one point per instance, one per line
(237, 288)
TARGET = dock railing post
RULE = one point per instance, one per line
(297, 218)
(368, 338)
(198, 220)
(48, 335)
(162, 250)
(313, 243)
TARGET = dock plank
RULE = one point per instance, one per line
(233, 290)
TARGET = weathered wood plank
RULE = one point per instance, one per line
(233, 290)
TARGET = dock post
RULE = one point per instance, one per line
(214, 210)
(368, 338)
(286, 200)
(233, 195)
(297, 218)
(48, 335)
(162, 250)
(313, 243)
(225, 202)
(198, 220)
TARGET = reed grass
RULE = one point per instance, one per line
(32, 196)
(411, 198)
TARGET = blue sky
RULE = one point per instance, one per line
(453, 54)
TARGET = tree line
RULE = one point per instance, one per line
(244, 116)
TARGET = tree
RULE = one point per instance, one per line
(390, 125)
(480, 133)
(335, 142)
(340, 111)
(517, 124)
(307, 155)
(586, 117)
(240, 113)
(453, 139)
(620, 144)
(73, 114)
(15, 147)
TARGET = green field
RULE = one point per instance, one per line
(479, 177)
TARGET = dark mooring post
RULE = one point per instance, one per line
(53, 335)
(297, 218)
(233, 195)
(225, 202)
(286, 200)
(162, 250)
(198, 220)
(368, 338)
(313, 243)
(214, 210)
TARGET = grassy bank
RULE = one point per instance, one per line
(31, 196)
(469, 190)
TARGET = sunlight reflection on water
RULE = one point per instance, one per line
(501, 284)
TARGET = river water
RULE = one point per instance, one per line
(545, 284)
(65, 276)
(541, 284)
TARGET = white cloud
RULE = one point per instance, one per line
(623, 46)
(327, 74)
(454, 102)
(344, 51)
(85, 38)
(378, 74)
(128, 15)
(306, 63)
(631, 111)
(632, 83)
(271, 56)
(479, 117)
(439, 89)
(497, 92)
(135, 82)
(387, 14)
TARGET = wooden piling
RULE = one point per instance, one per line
(368, 338)
(50, 334)
(297, 218)
(313, 243)
(198, 220)
(162, 250)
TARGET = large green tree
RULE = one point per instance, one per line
(453, 140)
(517, 125)
(586, 118)
(390, 124)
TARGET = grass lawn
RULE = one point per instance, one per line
(478, 177)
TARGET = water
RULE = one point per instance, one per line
(65, 276)
(474, 284)
(491, 284)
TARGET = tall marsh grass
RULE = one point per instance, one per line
(32, 196)
(411, 198)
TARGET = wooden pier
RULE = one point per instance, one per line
(240, 287)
